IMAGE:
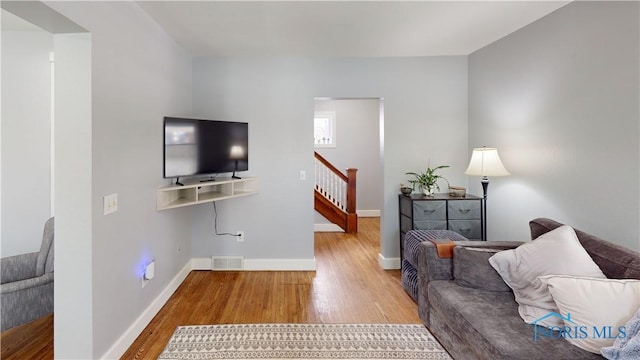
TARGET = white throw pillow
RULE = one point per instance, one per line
(557, 252)
(599, 308)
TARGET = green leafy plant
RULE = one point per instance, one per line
(427, 180)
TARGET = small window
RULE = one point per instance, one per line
(324, 129)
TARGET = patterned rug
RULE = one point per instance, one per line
(303, 341)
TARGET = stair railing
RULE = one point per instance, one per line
(339, 189)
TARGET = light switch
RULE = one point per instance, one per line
(303, 175)
(110, 203)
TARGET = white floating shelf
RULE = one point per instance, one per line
(174, 196)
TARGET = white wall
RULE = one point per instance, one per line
(559, 99)
(138, 75)
(26, 125)
(358, 146)
(425, 117)
(73, 289)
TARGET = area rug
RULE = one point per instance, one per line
(303, 341)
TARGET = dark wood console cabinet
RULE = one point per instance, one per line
(441, 212)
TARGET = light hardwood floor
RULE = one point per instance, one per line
(347, 287)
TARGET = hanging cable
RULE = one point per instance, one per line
(215, 222)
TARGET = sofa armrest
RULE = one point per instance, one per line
(21, 285)
(26, 300)
(18, 267)
(430, 268)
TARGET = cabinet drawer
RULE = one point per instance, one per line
(464, 209)
(471, 229)
(429, 210)
(430, 224)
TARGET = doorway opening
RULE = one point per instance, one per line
(349, 133)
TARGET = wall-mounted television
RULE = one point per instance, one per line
(195, 147)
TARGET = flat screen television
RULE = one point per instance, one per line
(195, 147)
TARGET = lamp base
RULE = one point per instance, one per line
(485, 186)
(234, 176)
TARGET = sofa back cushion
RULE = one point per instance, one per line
(615, 261)
(471, 268)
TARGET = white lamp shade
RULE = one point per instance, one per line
(486, 162)
(237, 152)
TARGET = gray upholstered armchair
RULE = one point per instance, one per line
(26, 290)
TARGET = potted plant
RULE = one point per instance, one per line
(427, 181)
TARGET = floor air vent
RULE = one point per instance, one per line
(227, 263)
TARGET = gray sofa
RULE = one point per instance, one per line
(26, 290)
(473, 313)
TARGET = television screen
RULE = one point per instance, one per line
(199, 147)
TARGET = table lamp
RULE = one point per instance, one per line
(237, 153)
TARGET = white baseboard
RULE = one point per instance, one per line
(201, 263)
(368, 213)
(263, 264)
(328, 227)
(388, 263)
(131, 334)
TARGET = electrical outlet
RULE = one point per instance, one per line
(110, 203)
(240, 236)
(149, 273)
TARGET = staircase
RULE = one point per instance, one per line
(335, 194)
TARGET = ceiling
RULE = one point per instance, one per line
(342, 28)
(11, 22)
